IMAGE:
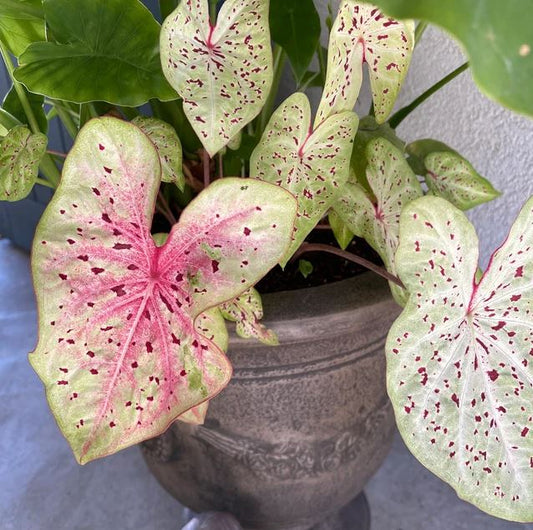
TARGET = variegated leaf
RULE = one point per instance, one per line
(222, 72)
(460, 357)
(168, 146)
(118, 349)
(247, 311)
(362, 34)
(313, 164)
(450, 176)
(21, 154)
(377, 219)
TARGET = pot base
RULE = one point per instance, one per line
(354, 516)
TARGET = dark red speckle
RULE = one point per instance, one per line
(493, 374)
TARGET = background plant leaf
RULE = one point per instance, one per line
(342, 233)
(497, 37)
(222, 72)
(311, 164)
(118, 349)
(459, 357)
(21, 23)
(12, 105)
(362, 34)
(103, 50)
(295, 26)
(20, 155)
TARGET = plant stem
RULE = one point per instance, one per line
(220, 166)
(213, 11)
(44, 182)
(66, 120)
(403, 113)
(56, 153)
(207, 168)
(165, 209)
(419, 31)
(316, 247)
(279, 64)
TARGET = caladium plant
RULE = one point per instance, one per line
(147, 246)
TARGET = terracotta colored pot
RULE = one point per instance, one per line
(302, 426)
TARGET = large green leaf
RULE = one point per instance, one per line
(20, 155)
(498, 37)
(459, 358)
(449, 175)
(119, 350)
(12, 105)
(295, 26)
(312, 164)
(222, 72)
(377, 219)
(362, 34)
(104, 50)
(21, 23)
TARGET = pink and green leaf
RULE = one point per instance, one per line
(118, 351)
(450, 176)
(246, 311)
(21, 154)
(377, 218)
(168, 146)
(222, 72)
(312, 164)
(362, 34)
(459, 357)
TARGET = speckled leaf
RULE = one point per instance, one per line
(459, 357)
(311, 164)
(247, 311)
(394, 185)
(118, 349)
(222, 72)
(450, 176)
(168, 145)
(362, 34)
(20, 156)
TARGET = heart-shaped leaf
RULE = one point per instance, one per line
(394, 185)
(450, 176)
(312, 164)
(12, 105)
(222, 72)
(459, 358)
(104, 50)
(118, 349)
(247, 311)
(362, 34)
(168, 145)
(20, 156)
(497, 37)
(21, 23)
(295, 26)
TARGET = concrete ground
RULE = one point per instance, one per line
(42, 487)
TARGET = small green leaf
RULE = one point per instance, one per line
(305, 267)
(12, 105)
(21, 153)
(498, 40)
(459, 364)
(168, 146)
(21, 23)
(342, 233)
(449, 175)
(295, 26)
(223, 72)
(362, 34)
(104, 50)
(246, 311)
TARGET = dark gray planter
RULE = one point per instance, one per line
(301, 427)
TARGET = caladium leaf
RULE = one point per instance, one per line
(222, 72)
(20, 156)
(394, 185)
(247, 311)
(362, 34)
(342, 233)
(168, 145)
(311, 164)
(450, 176)
(21, 23)
(118, 349)
(459, 357)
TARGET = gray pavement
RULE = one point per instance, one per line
(42, 487)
